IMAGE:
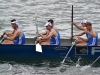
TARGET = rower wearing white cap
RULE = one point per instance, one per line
(16, 37)
(92, 36)
(58, 34)
(82, 27)
(52, 34)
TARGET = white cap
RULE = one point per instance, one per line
(83, 21)
(48, 24)
(15, 23)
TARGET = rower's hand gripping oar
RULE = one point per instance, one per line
(38, 46)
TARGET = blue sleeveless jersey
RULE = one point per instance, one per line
(59, 38)
(93, 41)
(55, 40)
(20, 40)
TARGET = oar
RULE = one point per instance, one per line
(71, 38)
(1, 39)
(72, 24)
(69, 51)
(38, 46)
(86, 67)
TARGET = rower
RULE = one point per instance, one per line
(92, 36)
(82, 27)
(16, 37)
(41, 41)
(52, 34)
(58, 34)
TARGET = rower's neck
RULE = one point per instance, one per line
(16, 28)
(50, 29)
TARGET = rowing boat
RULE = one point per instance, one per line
(29, 50)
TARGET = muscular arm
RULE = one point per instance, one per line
(48, 36)
(79, 34)
(84, 39)
(8, 34)
(79, 27)
(45, 32)
(91, 34)
(16, 34)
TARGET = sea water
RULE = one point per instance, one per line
(60, 11)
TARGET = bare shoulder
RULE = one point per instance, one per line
(18, 31)
(56, 29)
(94, 31)
(84, 28)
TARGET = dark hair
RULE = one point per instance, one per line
(51, 21)
(13, 20)
(88, 24)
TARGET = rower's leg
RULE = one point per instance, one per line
(81, 44)
(38, 40)
(7, 42)
(79, 40)
(45, 42)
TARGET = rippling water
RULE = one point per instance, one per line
(58, 10)
(48, 67)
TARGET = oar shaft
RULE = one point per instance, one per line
(36, 24)
(69, 51)
(1, 40)
(95, 60)
(72, 24)
(67, 54)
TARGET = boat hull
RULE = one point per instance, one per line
(49, 51)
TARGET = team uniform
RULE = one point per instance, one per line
(93, 41)
(20, 40)
(55, 40)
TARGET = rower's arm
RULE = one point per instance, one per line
(45, 32)
(91, 34)
(14, 36)
(79, 27)
(8, 34)
(84, 39)
(80, 34)
(48, 36)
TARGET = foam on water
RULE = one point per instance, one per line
(30, 70)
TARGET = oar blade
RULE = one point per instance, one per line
(85, 67)
(38, 48)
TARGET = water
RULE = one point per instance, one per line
(47, 67)
(58, 10)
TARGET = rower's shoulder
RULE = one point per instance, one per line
(55, 28)
(94, 31)
(84, 28)
(18, 31)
